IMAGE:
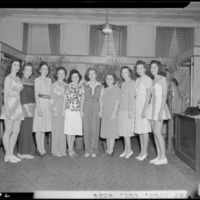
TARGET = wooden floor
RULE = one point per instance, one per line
(100, 173)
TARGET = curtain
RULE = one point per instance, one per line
(100, 43)
(181, 39)
(114, 44)
(117, 41)
(123, 39)
(172, 41)
(25, 37)
(163, 41)
(54, 38)
(168, 35)
(96, 41)
(189, 41)
(93, 40)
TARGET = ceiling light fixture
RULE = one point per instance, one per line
(107, 28)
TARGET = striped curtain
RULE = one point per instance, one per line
(114, 44)
(171, 41)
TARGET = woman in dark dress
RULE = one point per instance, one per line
(25, 139)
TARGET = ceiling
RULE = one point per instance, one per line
(189, 14)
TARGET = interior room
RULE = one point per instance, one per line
(102, 39)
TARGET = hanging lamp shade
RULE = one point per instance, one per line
(107, 28)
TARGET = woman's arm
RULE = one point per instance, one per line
(65, 99)
(101, 103)
(117, 96)
(131, 98)
(82, 103)
(164, 96)
(37, 100)
(147, 101)
(6, 93)
(148, 85)
(113, 116)
(52, 107)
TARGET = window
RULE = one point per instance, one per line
(41, 38)
(114, 44)
(171, 41)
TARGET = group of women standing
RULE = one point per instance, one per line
(75, 108)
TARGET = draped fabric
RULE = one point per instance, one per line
(96, 41)
(41, 38)
(101, 42)
(114, 44)
(25, 37)
(116, 37)
(171, 42)
(54, 38)
(163, 41)
(180, 36)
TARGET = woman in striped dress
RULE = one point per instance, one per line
(158, 110)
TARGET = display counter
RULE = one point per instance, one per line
(187, 140)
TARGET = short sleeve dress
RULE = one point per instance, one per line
(73, 121)
(127, 96)
(155, 104)
(141, 125)
(43, 123)
(109, 127)
(14, 103)
(58, 143)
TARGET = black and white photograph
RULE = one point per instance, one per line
(100, 102)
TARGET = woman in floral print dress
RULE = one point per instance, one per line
(73, 121)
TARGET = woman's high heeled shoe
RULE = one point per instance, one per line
(161, 162)
(154, 160)
(10, 159)
(16, 158)
(122, 154)
(110, 154)
(38, 153)
(75, 154)
(138, 157)
(71, 154)
(129, 155)
(144, 157)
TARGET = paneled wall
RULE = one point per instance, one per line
(141, 37)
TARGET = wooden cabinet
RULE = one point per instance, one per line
(187, 140)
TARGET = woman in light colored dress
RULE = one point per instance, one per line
(57, 107)
(158, 110)
(12, 111)
(143, 95)
(110, 120)
(126, 110)
(42, 119)
(73, 121)
(90, 112)
(26, 146)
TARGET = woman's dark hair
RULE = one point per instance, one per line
(140, 62)
(9, 68)
(73, 71)
(160, 68)
(57, 70)
(23, 68)
(130, 72)
(42, 63)
(110, 74)
(88, 71)
(175, 82)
